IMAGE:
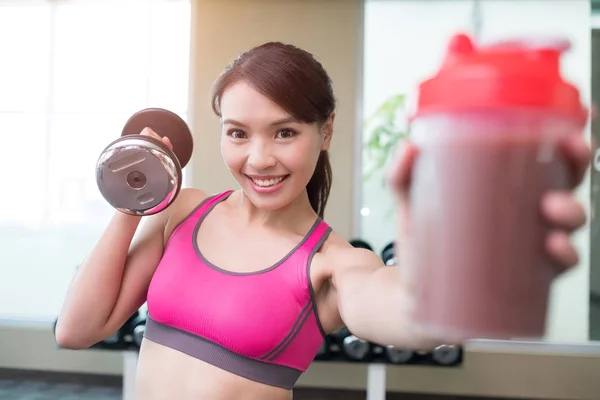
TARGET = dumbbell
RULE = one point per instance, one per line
(361, 244)
(137, 328)
(54, 326)
(447, 354)
(352, 347)
(324, 352)
(397, 355)
(140, 175)
(388, 254)
(114, 341)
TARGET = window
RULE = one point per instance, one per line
(419, 31)
(73, 71)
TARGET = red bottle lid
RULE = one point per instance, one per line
(511, 74)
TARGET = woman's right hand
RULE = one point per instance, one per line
(399, 175)
(149, 132)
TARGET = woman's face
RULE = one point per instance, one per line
(270, 154)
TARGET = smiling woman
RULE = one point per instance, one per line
(295, 94)
(277, 109)
(243, 285)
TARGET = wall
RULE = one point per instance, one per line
(333, 36)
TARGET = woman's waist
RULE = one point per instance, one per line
(164, 373)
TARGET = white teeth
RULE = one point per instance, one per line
(269, 182)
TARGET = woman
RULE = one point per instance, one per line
(241, 286)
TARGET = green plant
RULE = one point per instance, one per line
(383, 130)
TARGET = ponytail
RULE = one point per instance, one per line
(319, 186)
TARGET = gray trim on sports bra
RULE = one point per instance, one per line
(262, 271)
(313, 297)
(220, 357)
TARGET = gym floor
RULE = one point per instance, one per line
(32, 385)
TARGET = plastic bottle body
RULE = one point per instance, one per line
(479, 268)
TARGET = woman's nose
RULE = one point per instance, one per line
(261, 157)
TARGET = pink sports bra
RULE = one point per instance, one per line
(261, 325)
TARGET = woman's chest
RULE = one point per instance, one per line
(249, 313)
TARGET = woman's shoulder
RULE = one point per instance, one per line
(338, 252)
(184, 205)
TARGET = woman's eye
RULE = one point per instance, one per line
(285, 134)
(237, 134)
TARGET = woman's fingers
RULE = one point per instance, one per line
(149, 132)
(563, 211)
(561, 249)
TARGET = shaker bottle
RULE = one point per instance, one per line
(487, 127)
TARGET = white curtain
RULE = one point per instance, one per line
(71, 73)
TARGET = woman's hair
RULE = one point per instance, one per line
(298, 83)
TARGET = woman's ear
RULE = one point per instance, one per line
(327, 132)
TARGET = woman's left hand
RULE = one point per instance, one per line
(562, 210)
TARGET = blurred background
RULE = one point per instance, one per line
(73, 71)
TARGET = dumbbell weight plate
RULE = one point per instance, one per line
(355, 348)
(360, 244)
(138, 334)
(324, 351)
(446, 354)
(113, 339)
(387, 254)
(397, 355)
(140, 175)
(164, 123)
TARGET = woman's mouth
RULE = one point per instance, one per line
(267, 184)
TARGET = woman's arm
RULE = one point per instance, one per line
(113, 281)
(373, 302)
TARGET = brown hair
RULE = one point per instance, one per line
(298, 83)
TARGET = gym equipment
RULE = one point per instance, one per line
(140, 175)
(114, 340)
(137, 329)
(54, 327)
(396, 355)
(388, 254)
(447, 354)
(352, 347)
(361, 244)
(324, 352)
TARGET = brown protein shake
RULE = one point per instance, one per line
(487, 127)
